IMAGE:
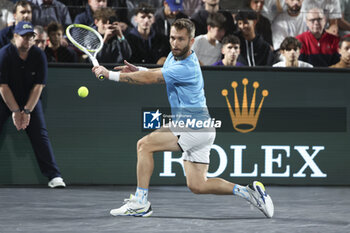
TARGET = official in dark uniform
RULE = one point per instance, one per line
(23, 74)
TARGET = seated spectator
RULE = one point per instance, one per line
(6, 15)
(200, 17)
(289, 23)
(255, 51)
(121, 9)
(74, 7)
(55, 51)
(166, 15)
(344, 51)
(263, 25)
(22, 11)
(290, 50)
(319, 47)
(87, 17)
(331, 10)
(230, 50)
(147, 46)
(40, 39)
(46, 11)
(191, 6)
(115, 48)
(208, 47)
(233, 4)
(132, 5)
(272, 8)
(344, 22)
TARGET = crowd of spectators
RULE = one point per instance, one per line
(278, 33)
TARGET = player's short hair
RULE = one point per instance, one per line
(104, 14)
(54, 27)
(290, 43)
(22, 3)
(182, 23)
(216, 20)
(144, 8)
(246, 14)
(344, 38)
(230, 39)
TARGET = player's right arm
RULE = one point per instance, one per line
(152, 76)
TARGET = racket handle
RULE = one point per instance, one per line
(101, 77)
(95, 63)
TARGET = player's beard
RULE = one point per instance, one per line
(180, 55)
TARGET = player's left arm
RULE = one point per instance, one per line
(153, 76)
(128, 68)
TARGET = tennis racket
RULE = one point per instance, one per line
(86, 39)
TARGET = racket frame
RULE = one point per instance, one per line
(82, 48)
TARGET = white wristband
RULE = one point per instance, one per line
(114, 76)
(142, 68)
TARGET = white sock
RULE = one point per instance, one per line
(241, 191)
(141, 195)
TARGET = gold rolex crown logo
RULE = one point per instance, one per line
(243, 120)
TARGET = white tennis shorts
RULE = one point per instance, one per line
(195, 143)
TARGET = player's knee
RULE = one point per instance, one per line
(139, 144)
(195, 188)
(142, 144)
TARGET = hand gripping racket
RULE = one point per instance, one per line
(87, 39)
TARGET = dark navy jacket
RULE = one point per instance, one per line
(256, 52)
(162, 25)
(85, 17)
(22, 75)
(150, 50)
(6, 35)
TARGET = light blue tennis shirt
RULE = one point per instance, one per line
(185, 88)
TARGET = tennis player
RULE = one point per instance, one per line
(184, 81)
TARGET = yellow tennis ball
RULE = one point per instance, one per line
(83, 92)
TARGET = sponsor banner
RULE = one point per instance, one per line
(280, 127)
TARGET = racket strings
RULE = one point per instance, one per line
(85, 38)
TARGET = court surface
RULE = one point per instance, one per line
(86, 209)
